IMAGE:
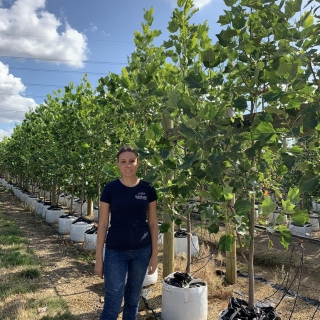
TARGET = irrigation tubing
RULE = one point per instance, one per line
(312, 302)
(299, 283)
(286, 276)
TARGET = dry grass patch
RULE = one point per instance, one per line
(204, 266)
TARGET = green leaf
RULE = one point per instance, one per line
(188, 162)
(263, 132)
(164, 227)
(310, 120)
(227, 192)
(289, 160)
(240, 103)
(239, 22)
(308, 22)
(294, 195)
(192, 82)
(224, 19)
(268, 206)
(173, 98)
(282, 170)
(287, 206)
(213, 228)
(210, 58)
(242, 206)
(157, 129)
(284, 68)
(296, 150)
(168, 44)
(110, 170)
(173, 26)
(178, 221)
(285, 237)
(181, 3)
(225, 242)
(230, 3)
(308, 182)
(85, 146)
(300, 217)
(203, 193)
(148, 15)
(216, 192)
(302, 166)
(273, 110)
(150, 134)
(296, 5)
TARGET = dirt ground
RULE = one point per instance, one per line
(68, 274)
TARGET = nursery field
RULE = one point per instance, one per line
(44, 275)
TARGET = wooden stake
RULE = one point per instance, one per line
(231, 256)
(168, 237)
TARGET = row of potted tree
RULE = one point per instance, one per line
(211, 119)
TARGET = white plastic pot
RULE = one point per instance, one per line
(65, 224)
(314, 221)
(315, 206)
(90, 241)
(78, 229)
(44, 211)
(160, 239)
(181, 245)
(95, 214)
(52, 215)
(39, 208)
(184, 303)
(300, 231)
(63, 199)
(150, 279)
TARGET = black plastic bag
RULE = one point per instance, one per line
(237, 310)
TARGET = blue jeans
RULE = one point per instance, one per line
(117, 264)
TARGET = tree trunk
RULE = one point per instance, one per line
(251, 256)
(90, 206)
(82, 195)
(54, 192)
(189, 238)
(231, 256)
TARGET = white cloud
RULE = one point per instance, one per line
(32, 32)
(4, 133)
(13, 105)
(197, 3)
(201, 3)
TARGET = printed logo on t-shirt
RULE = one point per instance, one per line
(141, 196)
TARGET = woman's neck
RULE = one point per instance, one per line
(130, 182)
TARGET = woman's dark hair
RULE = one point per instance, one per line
(127, 149)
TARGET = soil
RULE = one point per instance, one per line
(73, 279)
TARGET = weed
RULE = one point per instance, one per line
(85, 256)
(56, 308)
(31, 273)
(16, 287)
(15, 258)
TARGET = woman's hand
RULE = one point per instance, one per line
(153, 264)
(98, 268)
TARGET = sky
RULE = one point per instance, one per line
(44, 45)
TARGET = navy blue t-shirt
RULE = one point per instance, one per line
(128, 205)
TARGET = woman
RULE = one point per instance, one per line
(132, 241)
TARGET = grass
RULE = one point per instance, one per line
(86, 256)
(20, 278)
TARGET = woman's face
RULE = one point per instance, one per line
(128, 164)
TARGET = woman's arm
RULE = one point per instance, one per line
(153, 226)
(101, 236)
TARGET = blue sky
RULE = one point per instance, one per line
(46, 44)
